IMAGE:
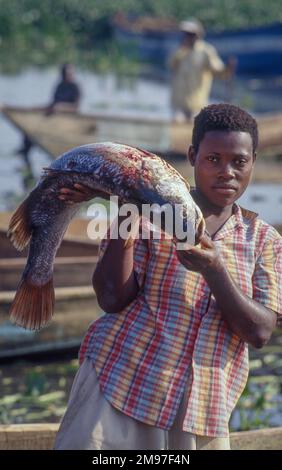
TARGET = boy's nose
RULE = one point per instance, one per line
(226, 172)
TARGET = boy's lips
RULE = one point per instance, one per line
(224, 188)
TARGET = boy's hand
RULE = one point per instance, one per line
(80, 193)
(203, 259)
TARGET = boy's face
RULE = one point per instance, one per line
(223, 166)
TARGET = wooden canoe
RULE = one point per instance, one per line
(42, 437)
(76, 305)
(62, 131)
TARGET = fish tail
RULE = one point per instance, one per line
(33, 306)
(20, 231)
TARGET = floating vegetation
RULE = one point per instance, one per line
(35, 393)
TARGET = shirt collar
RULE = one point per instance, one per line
(235, 222)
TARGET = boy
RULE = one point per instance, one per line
(165, 369)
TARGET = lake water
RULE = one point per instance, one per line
(106, 94)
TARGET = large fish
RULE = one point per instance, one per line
(135, 175)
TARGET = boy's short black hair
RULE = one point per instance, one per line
(223, 117)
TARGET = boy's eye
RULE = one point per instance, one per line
(212, 158)
(240, 161)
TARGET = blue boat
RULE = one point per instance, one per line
(258, 50)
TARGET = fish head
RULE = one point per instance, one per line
(162, 184)
(200, 225)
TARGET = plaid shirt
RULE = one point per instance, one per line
(172, 337)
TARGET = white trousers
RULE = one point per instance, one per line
(92, 423)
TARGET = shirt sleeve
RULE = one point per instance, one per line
(267, 277)
(215, 64)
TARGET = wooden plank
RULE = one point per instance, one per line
(42, 437)
(27, 436)
(261, 439)
(62, 293)
(77, 229)
(71, 246)
(68, 271)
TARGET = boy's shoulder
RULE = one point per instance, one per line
(263, 230)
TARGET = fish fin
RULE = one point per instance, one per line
(33, 306)
(20, 231)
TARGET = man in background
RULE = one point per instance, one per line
(193, 66)
(67, 93)
(65, 98)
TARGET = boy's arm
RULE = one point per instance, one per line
(114, 279)
(247, 318)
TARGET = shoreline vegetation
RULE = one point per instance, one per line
(82, 32)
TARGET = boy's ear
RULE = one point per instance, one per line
(254, 157)
(191, 155)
